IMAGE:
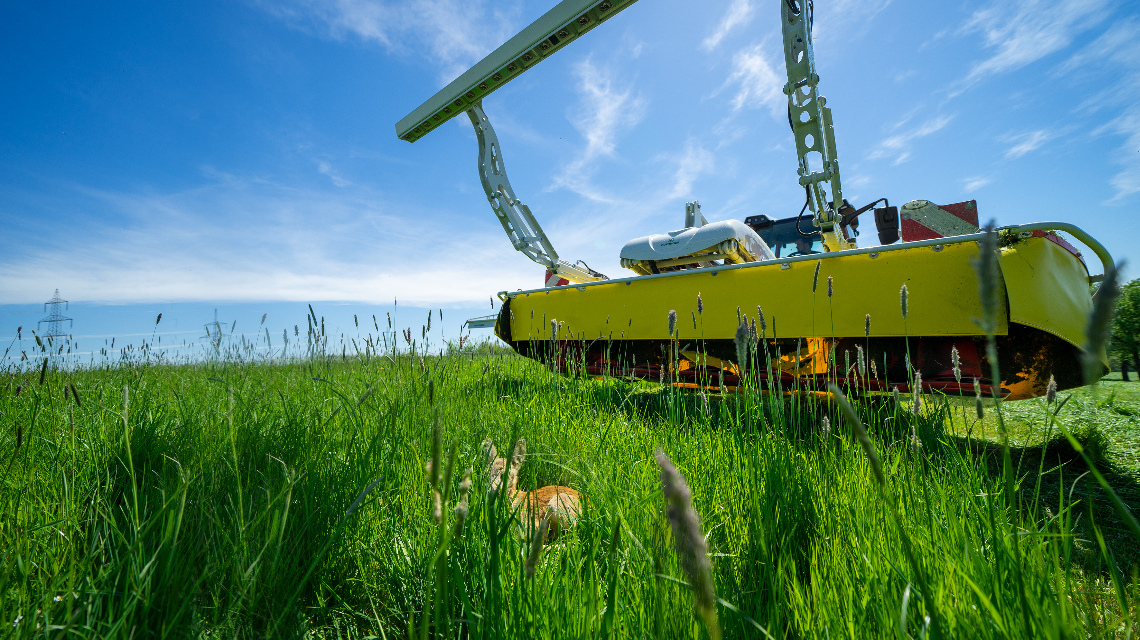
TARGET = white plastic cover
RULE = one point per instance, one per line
(676, 244)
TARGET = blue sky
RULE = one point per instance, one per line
(245, 152)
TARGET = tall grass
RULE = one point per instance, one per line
(287, 499)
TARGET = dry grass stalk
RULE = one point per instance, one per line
(689, 542)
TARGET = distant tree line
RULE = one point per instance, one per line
(1125, 345)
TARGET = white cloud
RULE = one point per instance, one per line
(1025, 142)
(1024, 31)
(245, 239)
(605, 110)
(976, 182)
(442, 30)
(898, 145)
(739, 14)
(758, 84)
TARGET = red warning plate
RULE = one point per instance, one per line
(924, 220)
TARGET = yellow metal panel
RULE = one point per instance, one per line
(942, 291)
(1048, 288)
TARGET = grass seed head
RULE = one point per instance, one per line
(956, 362)
(825, 428)
(829, 287)
(1051, 391)
(986, 267)
(700, 304)
(741, 342)
(917, 394)
(815, 278)
(553, 330)
(860, 362)
(978, 399)
(902, 300)
(694, 313)
(672, 322)
(536, 547)
(159, 319)
(867, 326)
(436, 506)
(689, 541)
(1100, 324)
(461, 508)
(895, 395)
(760, 318)
(915, 442)
(738, 321)
(433, 468)
(849, 414)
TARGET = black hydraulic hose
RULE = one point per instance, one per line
(807, 199)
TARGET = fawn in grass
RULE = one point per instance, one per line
(559, 506)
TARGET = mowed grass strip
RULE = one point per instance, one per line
(176, 501)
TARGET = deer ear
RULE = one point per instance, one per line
(489, 452)
(516, 463)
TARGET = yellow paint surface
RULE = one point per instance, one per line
(941, 285)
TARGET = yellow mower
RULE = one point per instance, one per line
(808, 304)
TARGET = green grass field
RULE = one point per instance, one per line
(230, 499)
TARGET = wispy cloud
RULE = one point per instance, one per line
(1023, 143)
(441, 30)
(1111, 62)
(606, 109)
(974, 183)
(693, 161)
(898, 146)
(326, 169)
(1023, 31)
(1127, 181)
(739, 14)
(756, 82)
